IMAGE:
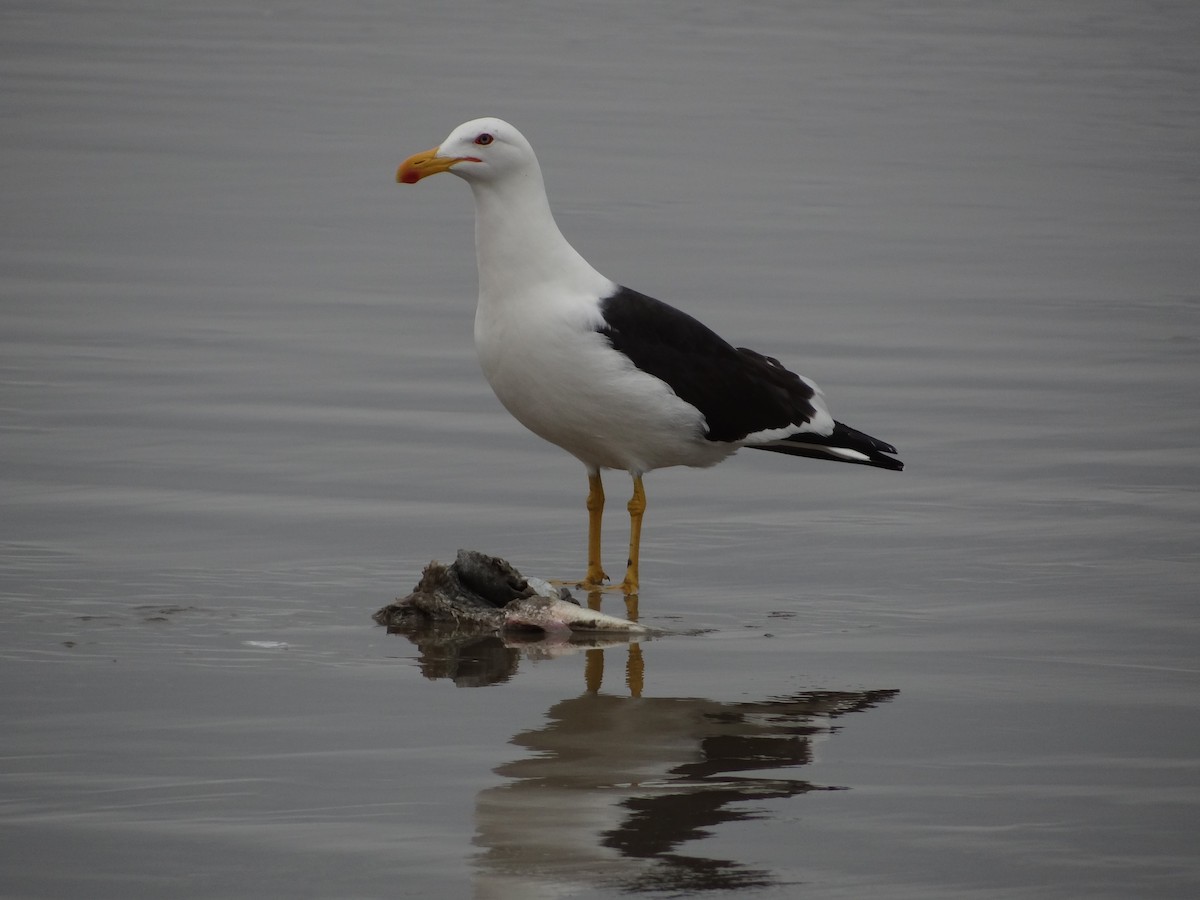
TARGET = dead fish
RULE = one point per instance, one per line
(555, 616)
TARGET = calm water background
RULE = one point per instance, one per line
(240, 410)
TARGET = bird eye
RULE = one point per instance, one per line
(484, 139)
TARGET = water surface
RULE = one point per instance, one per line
(240, 410)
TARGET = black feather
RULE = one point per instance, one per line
(738, 391)
(815, 446)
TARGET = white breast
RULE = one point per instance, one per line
(563, 381)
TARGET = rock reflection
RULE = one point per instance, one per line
(612, 787)
(471, 659)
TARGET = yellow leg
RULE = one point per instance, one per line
(637, 506)
(595, 506)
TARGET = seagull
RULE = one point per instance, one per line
(618, 379)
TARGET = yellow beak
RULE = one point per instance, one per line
(422, 165)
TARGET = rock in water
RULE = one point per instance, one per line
(486, 594)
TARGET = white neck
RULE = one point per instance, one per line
(518, 245)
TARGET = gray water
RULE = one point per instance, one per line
(240, 411)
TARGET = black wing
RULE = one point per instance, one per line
(738, 391)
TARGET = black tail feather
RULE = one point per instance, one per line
(816, 446)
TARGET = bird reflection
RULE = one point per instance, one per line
(611, 788)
